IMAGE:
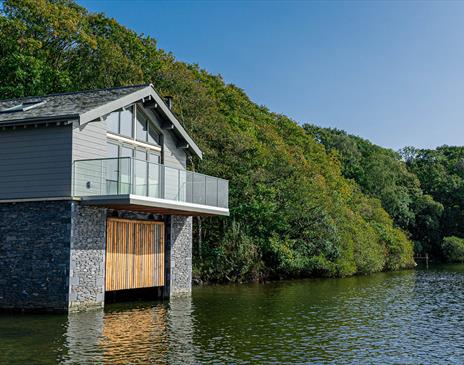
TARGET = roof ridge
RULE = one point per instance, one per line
(78, 92)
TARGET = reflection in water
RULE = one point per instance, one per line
(135, 337)
(31, 339)
(83, 331)
(180, 333)
(150, 334)
(121, 336)
(411, 317)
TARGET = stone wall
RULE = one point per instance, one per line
(87, 257)
(179, 256)
(34, 255)
(52, 255)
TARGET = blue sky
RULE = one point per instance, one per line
(392, 72)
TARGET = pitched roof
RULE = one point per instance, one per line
(64, 104)
(86, 106)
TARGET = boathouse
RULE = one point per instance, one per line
(95, 197)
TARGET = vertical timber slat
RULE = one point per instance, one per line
(134, 255)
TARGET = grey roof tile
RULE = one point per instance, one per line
(65, 104)
(74, 105)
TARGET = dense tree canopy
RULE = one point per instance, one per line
(441, 173)
(383, 173)
(293, 213)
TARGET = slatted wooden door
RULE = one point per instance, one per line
(134, 254)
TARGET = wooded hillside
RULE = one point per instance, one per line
(296, 210)
(421, 189)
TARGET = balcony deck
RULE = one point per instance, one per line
(130, 184)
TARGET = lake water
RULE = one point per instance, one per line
(409, 317)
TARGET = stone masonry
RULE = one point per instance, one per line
(87, 257)
(34, 255)
(52, 255)
(179, 256)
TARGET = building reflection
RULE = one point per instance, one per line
(83, 332)
(154, 334)
(137, 336)
(180, 331)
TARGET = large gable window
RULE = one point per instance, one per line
(154, 137)
(121, 122)
(142, 173)
(145, 131)
(112, 122)
(134, 151)
(141, 127)
(137, 127)
(125, 123)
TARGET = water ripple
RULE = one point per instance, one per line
(411, 317)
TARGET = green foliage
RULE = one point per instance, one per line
(453, 249)
(426, 229)
(236, 258)
(441, 173)
(380, 172)
(383, 173)
(292, 211)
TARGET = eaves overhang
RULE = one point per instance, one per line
(66, 119)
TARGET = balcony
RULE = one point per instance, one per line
(128, 183)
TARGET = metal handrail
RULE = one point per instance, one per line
(171, 183)
(153, 163)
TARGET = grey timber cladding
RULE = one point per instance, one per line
(173, 155)
(89, 141)
(35, 162)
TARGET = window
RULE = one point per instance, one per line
(141, 172)
(126, 151)
(112, 168)
(120, 122)
(118, 169)
(133, 165)
(153, 136)
(112, 122)
(146, 132)
(142, 124)
(125, 123)
(154, 157)
(154, 173)
(112, 150)
(117, 149)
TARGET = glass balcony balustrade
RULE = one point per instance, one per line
(126, 175)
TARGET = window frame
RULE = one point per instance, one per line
(148, 149)
(135, 148)
(150, 126)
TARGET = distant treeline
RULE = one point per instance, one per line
(303, 201)
(422, 190)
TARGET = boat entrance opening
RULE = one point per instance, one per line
(134, 254)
